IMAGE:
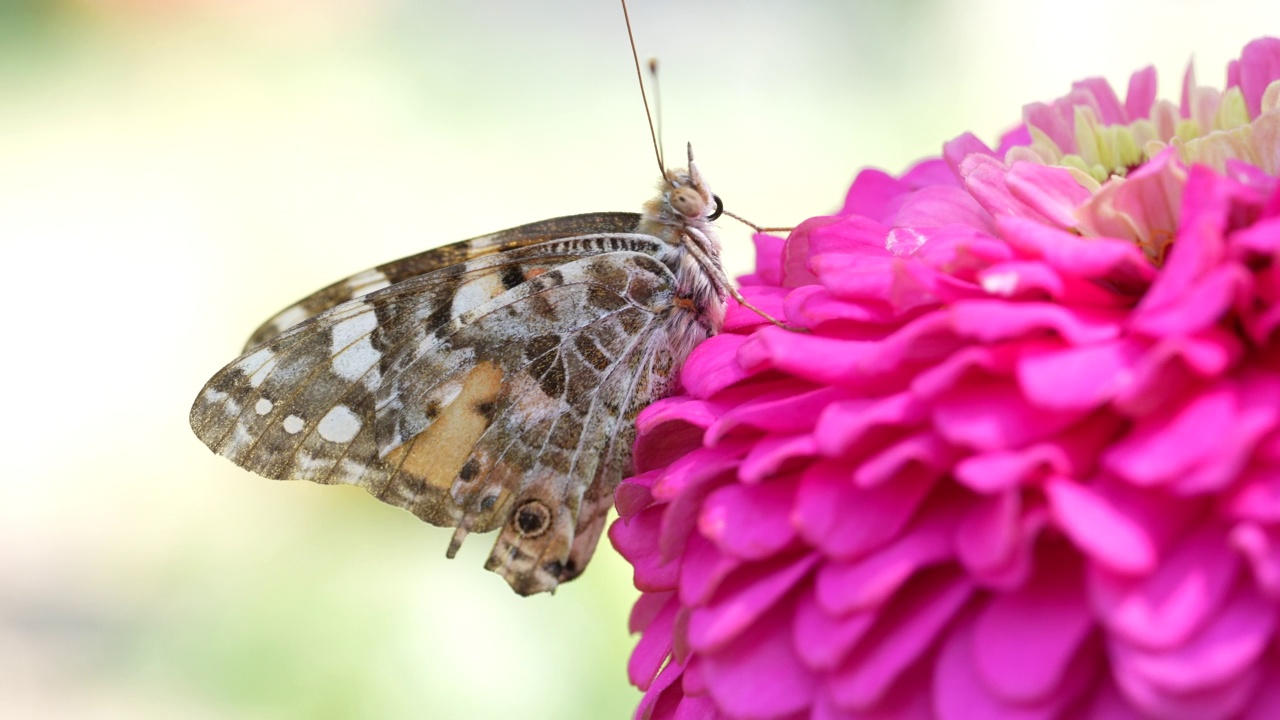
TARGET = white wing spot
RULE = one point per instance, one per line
(293, 424)
(367, 282)
(258, 365)
(476, 292)
(290, 317)
(352, 349)
(263, 406)
(339, 425)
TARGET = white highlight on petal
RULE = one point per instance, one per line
(263, 406)
(258, 365)
(293, 424)
(1000, 283)
(339, 424)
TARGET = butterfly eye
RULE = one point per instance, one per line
(531, 519)
(719, 208)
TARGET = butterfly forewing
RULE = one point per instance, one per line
(425, 262)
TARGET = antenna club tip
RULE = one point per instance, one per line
(653, 65)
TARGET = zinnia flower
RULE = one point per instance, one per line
(1026, 460)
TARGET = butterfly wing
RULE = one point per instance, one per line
(398, 271)
(469, 399)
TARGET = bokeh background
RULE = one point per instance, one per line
(174, 171)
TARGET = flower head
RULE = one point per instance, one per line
(1026, 461)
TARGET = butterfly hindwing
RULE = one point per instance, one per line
(498, 392)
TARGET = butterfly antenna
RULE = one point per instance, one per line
(657, 109)
(755, 227)
(657, 148)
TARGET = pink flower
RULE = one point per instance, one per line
(1026, 463)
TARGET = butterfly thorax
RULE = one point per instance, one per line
(681, 217)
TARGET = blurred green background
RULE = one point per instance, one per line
(174, 171)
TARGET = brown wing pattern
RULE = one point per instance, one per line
(398, 271)
(468, 395)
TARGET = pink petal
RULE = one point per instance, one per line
(854, 235)
(750, 522)
(1050, 121)
(1164, 446)
(941, 205)
(822, 639)
(662, 693)
(1200, 305)
(905, 632)
(795, 253)
(1102, 98)
(1232, 641)
(1073, 453)
(1141, 95)
(742, 599)
(768, 260)
(960, 365)
(996, 539)
(636, 540)
(653, 649)
(955, 151)
(647, 608)
(875, 194)
(984, 178)
(1259, 66)
(1256, 495)
(786, 412)
(1166, 608)
(670, 428)
(1094, 257)
(923, 453)
(1050, 191)
(1025, 640)
(1099, 528)
(1218, 703)
(770, 300)
(844, 520)
(772, 453)
(993, 415)
(851, 427)
(960, 693)
(848, 586)
(702, 569)
(734, 675)
(633, 494)
(1261, 549)
(1265, 704)
(1078, 377)
(714, 366)
(991, 320)
(1200, 245)
(696, 708)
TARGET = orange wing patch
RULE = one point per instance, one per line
(437, 454)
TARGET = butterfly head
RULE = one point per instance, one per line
(685, 199)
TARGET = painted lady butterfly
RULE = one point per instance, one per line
(492, 383)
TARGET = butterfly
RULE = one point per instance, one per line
(491, 384)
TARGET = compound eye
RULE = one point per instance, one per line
(719, 209)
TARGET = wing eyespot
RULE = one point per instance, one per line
(531, 519)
